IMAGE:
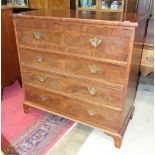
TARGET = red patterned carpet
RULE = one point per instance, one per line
(29, 134)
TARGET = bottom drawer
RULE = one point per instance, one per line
(79, 110)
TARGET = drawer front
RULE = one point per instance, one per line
(96, 92)
(73, 65)
(83, 111)
(76, 39)
(98, 45)
(39, 38)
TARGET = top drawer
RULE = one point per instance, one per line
(100, 42)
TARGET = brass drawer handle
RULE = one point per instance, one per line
(37, 35)
(40, 59)
(150, 59)
(44, 98)
(92, 91)
(95, 42)
(42, 78)
(91, 112)
(94, 69)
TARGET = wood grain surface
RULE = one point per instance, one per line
(82, 65)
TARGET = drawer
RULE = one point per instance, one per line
(75, 39)
(76, 109)
(45, 35)
(99, 45)
(73, 65)
(100, 42)
(93, 92)
(39, 38)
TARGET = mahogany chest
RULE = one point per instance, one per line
(81, 65)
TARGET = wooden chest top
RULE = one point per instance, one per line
(91, 17)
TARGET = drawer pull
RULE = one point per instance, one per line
(39, 59)
(37, 35)
(95, 42)
(150, 59)
(44, 98)
(94, 69)
(92, 91)
(91, 112)
(42, 78)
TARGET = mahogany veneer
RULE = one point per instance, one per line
(81, 65)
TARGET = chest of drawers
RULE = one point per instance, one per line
(83, 66)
